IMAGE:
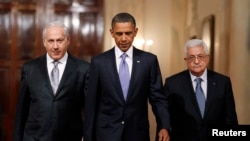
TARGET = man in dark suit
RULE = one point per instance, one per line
(113, 114)
(45, 112)
(188, 120)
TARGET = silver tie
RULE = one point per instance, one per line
(55, 77)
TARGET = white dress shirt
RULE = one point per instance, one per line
(61, 65)
(203, 82)
(129, 58)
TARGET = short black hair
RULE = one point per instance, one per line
(122, 18)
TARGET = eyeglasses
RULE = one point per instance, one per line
(193, 58)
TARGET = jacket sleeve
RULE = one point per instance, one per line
(22, 107)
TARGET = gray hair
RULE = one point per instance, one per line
(195, 43)
(57, 24)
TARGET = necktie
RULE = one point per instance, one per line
(124, 75)
(55, 77)
(200, 96)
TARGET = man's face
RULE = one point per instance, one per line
(197, 60)
(56, 42)
(123, 34)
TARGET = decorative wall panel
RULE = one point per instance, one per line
(5, 0)
(5, 39)
(66, 17)
(28, 1)
(86, 34)
(26, 35)
(5, 86)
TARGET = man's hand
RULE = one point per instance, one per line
(163, 135)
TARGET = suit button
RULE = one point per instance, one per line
(123, 122)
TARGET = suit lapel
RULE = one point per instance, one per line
(44, 73)
(69, 68)
(136, 71)
(189, 90)
(211, 88)
(110, 66)
(211, 83)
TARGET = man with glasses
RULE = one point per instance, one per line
(199, 99)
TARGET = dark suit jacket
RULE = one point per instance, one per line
(108, 116)
(43, 116)
(186, 121)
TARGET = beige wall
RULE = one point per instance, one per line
(239, 56)
(169, 23)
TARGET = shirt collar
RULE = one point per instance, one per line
(62, 60)
(203, 76)
(129, 52)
